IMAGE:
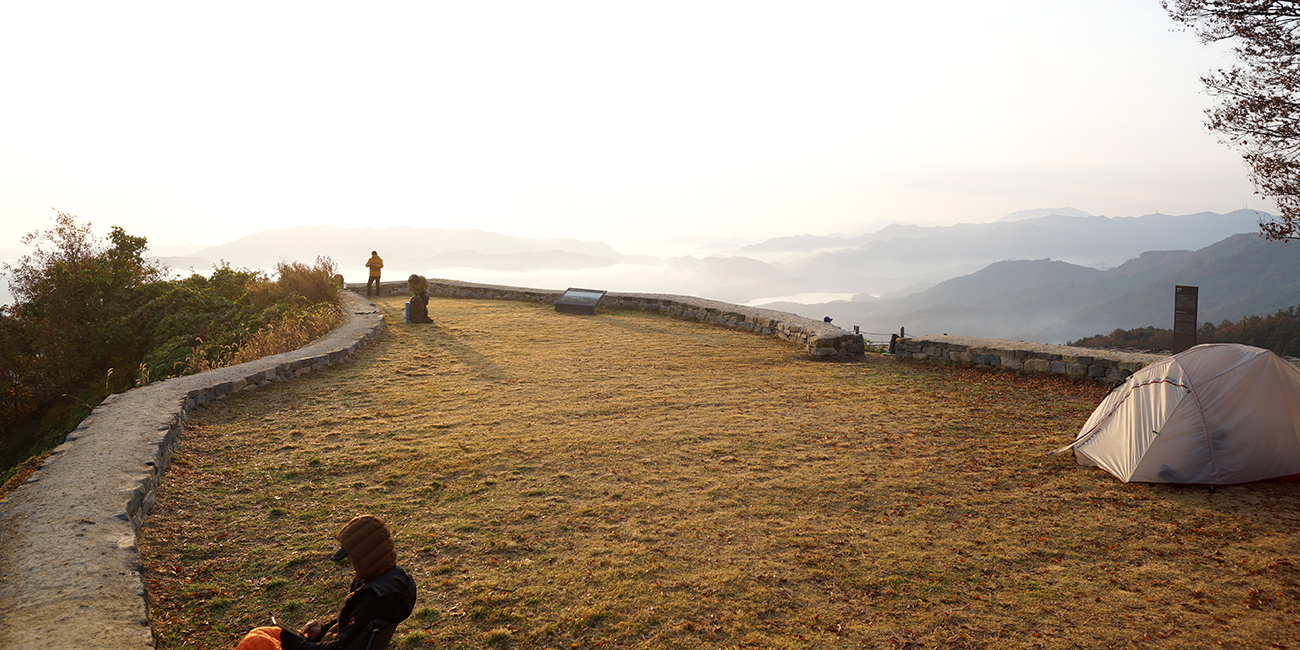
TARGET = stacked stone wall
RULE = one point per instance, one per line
(1104, 365)
(818, 338)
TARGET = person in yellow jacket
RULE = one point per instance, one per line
(375, 264)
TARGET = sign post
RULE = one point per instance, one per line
(1185, 299)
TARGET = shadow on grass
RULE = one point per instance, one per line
(432, 336)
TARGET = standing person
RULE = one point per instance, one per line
(375, 264)
(381, 590)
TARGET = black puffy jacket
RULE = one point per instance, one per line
(390, 596)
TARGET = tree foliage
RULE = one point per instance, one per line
(93, 318)
(74, 299)
(1279, 332)
(1259, 114)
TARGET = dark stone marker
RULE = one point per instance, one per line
(1184, 317)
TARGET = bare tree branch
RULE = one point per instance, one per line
(1259, 113)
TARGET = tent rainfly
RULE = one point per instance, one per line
(1217, 414)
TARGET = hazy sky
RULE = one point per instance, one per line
(619, 121)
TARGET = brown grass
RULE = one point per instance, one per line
(23, 472)
(295, 281)
(627, 480)
(286, 335)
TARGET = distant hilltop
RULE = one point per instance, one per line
(1044, 212)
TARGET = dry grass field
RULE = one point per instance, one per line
(628, 480)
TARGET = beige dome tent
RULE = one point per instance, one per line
(1216, 414)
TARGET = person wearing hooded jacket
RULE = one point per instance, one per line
(376, 265)
(419, 303)
(381, 590)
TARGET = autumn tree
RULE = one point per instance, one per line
(70, 321)
(1259, 112)
(69, 338)
(93, 317)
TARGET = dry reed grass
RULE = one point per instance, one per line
(285, 335)
(298, 281)
(626, 480)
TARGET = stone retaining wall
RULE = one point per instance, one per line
(818, 338)
(69, 569)
(1105, 365)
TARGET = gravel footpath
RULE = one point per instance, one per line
(69, 569)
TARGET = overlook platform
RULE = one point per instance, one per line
(605, 443)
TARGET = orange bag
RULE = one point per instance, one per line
(261, 638)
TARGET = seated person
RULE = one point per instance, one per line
(381, 590)
(419, 304)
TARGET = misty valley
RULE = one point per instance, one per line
(1046, 276)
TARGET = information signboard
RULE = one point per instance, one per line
(1185, 299)
(579, 301)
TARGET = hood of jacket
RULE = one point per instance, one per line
(369, 545)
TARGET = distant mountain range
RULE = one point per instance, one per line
(1042, 275)
(413, 247)
(480, 256)
(899, 260)
(1052, 301)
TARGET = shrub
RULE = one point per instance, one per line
(1279, 332)
(92, 319)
